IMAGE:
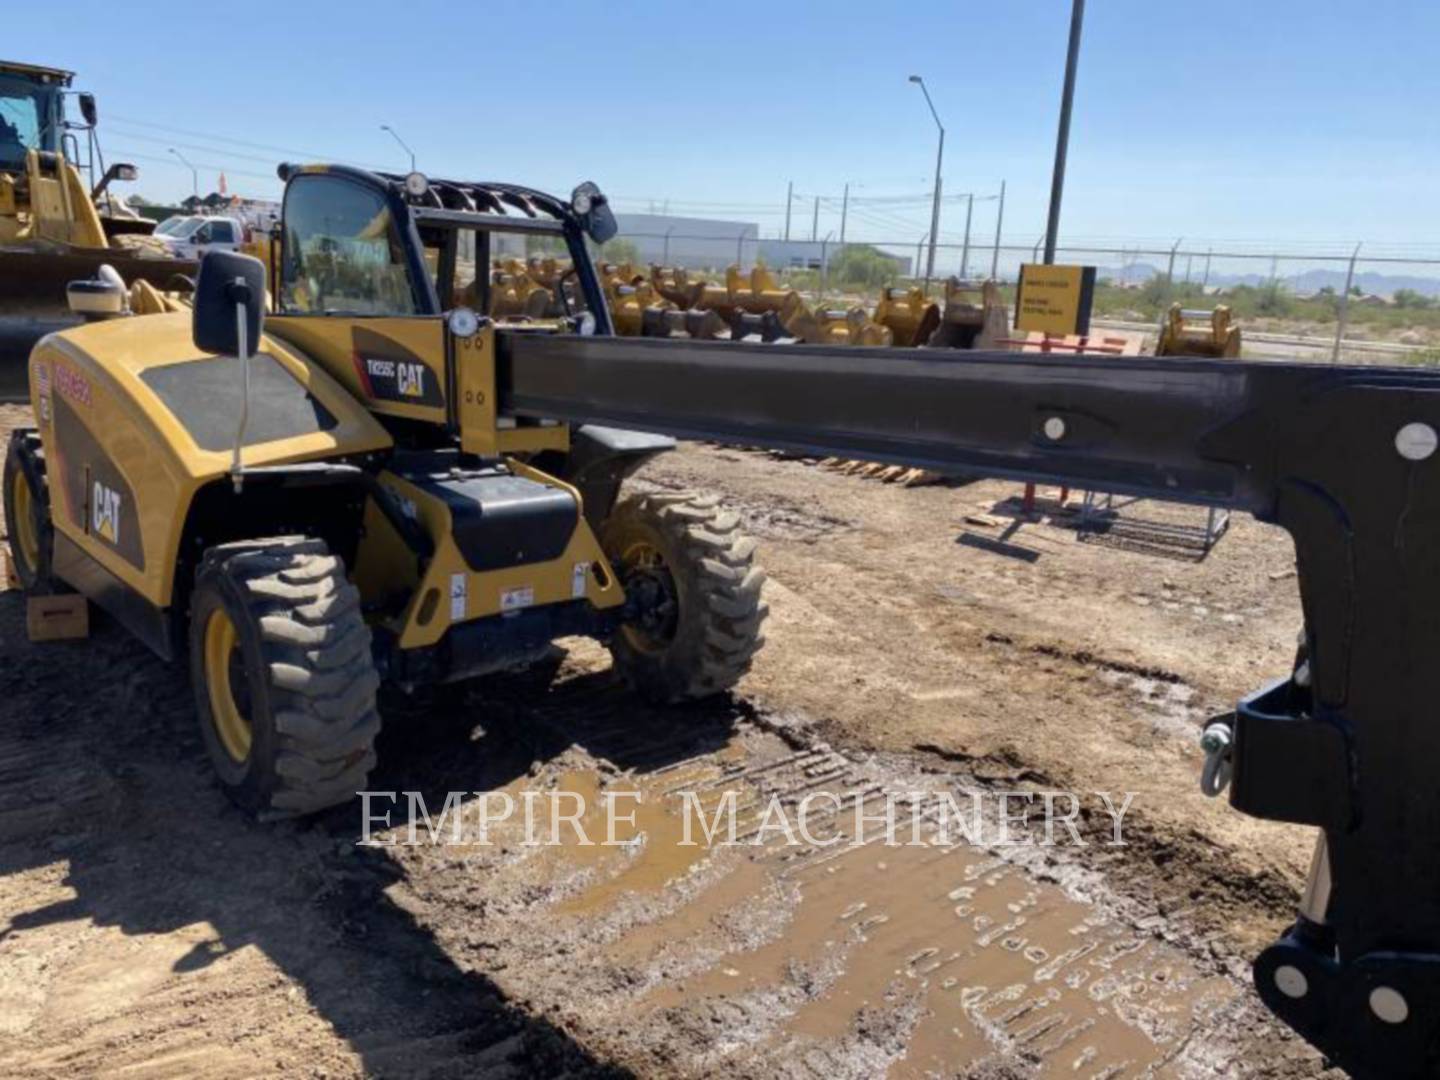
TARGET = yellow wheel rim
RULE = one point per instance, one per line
(231, 725)
(26, 536)
(644, 558)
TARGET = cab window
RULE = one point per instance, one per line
(20, 121)
(342, 254)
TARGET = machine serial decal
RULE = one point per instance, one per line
(406, 379)
(577, 580)
(391, 372)
(457, 597)
(515, 599)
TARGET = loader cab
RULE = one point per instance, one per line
(31, 112)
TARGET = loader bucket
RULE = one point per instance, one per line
(32, 297)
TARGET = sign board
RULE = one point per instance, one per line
(1054, 300)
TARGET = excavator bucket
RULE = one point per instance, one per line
(1205, 332)
(766, 326)
(672, 323)
(974, 318)
(838, 327)
(909, 314)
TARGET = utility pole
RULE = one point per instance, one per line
(939, 158)
(403, 146)
(844, 209)
(999, 220)
(789, 198)
(965, 250)
(1062, 139)
(815, 222)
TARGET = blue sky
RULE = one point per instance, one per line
(1301, 121)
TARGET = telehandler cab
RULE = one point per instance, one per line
(346, 504)
(375, 482)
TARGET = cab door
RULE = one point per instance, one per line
(352, 293)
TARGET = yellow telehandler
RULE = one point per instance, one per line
(345, 474)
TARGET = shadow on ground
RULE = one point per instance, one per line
(101, 765)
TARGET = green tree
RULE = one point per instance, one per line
(621, 250)
(862, 265)
(1412, 299)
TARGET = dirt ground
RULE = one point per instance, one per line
(148, 929)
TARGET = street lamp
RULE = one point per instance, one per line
(939, 157)
(194, 176)
(387, 127)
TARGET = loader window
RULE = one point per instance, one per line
(342, 254)
(20, 121)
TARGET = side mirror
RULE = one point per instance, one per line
(88, 110)
(125, 171)
(229, 301)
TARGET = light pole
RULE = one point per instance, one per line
(194, 175)
(939, 158)
(403, 146)
(999, 221)
(1062, 138)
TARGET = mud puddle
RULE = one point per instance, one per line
(835, 956)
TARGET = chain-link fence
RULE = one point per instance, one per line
(1375, 306)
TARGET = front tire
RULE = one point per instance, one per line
(691, 570)
(27, 511)
(283, 677)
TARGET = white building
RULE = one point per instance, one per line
(694, 243)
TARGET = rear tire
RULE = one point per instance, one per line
(283, 676)
(27, 511)
(688, 562)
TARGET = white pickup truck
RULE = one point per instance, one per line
(192, 236)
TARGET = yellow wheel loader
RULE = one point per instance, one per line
(59, 220)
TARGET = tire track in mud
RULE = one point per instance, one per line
(773, 959)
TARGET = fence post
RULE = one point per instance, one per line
(1170, 270)
(999, 219)
(740, 250)
(965, 250)
(1035, 252)
(1344, 311)
(665, 258)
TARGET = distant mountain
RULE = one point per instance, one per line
(1311, 281)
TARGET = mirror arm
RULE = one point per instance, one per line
(240, 292)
